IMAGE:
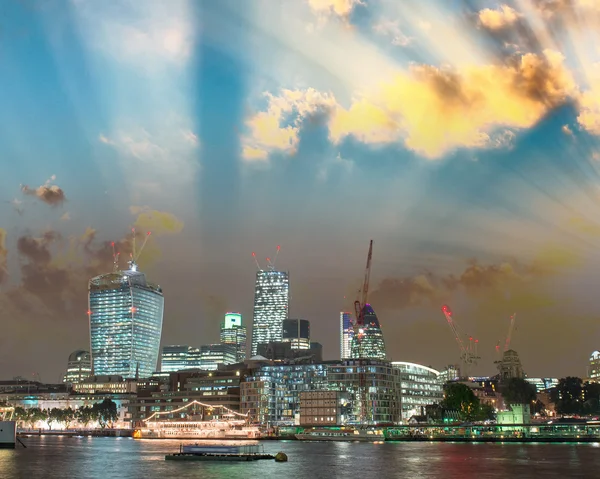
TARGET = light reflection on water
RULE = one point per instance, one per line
(104, 458)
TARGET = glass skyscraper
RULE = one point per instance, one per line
(368, 343)
(346, 333)
(296, 332)
(126, 316)
(271, 299)
(174, 358)
(79, 367)
(233, 333)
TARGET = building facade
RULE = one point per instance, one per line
(271, 301)
(510, 366)
(174, 358)
(126, 316)
(419, 387)
(234, 333)
(213, 355)
(79, 367)
(323, 408)
(594, 367)
(368, 343)
(297, 333)
(346, 333)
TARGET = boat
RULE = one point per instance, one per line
(197, 452)
(342, 434)
(8, 428)
(184, 429)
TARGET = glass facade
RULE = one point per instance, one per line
(542, 383)
(271, 299)
(126, 316)
(346, 333)
(174, 358)
(594, 368)
(233, 333)
(296, 332)
(376, 383)
(420, 386)
(211, 355)
(79, 367)
(271, 394)
(368, 343)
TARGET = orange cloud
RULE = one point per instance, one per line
(341, 8)
(432, 110)
(498, 19)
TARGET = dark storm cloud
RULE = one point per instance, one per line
(50, 194)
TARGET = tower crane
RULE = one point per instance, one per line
(136, 254)
(359, 308)
(511, 328)
(468, 353)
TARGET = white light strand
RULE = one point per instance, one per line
(160, 413)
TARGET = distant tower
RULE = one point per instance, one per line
(233, 333)
(371, 338)
(79, 367)
(346, 333)
(296, 332)
(510, 366)
(126, 317)
(271, 301)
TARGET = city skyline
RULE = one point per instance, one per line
(470, 157)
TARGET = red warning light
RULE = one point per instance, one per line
(253, 253)
(113, 243)
(89, 312)
(278, 247)
(133, 309)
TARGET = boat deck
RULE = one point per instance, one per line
(183, 456)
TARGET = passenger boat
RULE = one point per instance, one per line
(343, 434)
(183, 429)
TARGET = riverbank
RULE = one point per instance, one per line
(77, 433)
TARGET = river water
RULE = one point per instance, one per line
(107, 458)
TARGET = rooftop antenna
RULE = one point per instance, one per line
(115, 258)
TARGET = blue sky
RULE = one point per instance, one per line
(462, 137)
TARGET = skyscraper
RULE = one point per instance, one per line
(233, 333)
(296, 332)
(271, 299)
(174, 358)
(79, 367)
(126, 316)
(346, 333)
(368, 343)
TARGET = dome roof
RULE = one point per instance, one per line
(79, 355)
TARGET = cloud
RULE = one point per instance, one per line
(567, 130)
(501, 18)
(66, 216)
(431, 110)
(158, 222)
(477, 280)
(392, 30)
(340, 8)
(52, 195)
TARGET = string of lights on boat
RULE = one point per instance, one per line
(211, 406)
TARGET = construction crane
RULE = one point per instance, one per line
(468, 353)
(136, 254)
(270, 264)
(511, 328)
(359, 324)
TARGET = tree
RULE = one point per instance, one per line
(518, 391)
(53, 415)
(34, 415)
(485, 412)
(106, 412)
(568, 395)
(20, 414)
(67, 416)
(460, 397)
(86, 415)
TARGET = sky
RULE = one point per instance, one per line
(461, 137)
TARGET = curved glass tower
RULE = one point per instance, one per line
(368, 343)
(126, 316)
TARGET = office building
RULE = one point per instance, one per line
(126, 316)
(419, 387)
(233, 333)
(212, 355)
(346, 333)
(594, 367)
(79, 367)
(271, 300)
(174, 358)
(368, 343)
(323, 408)
(297, 333)
(542, 384)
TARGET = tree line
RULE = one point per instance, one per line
(104, 413)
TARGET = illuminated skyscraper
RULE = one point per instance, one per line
(271, 298)
(174, 358)
(296, 332)
(368, 343)
(126, 316)
(79, 367)
(346, 333)
(233, 333)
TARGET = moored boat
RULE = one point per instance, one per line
(342, 434)
(220, 430)
(198, 452)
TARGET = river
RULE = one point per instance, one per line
(107, 458)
